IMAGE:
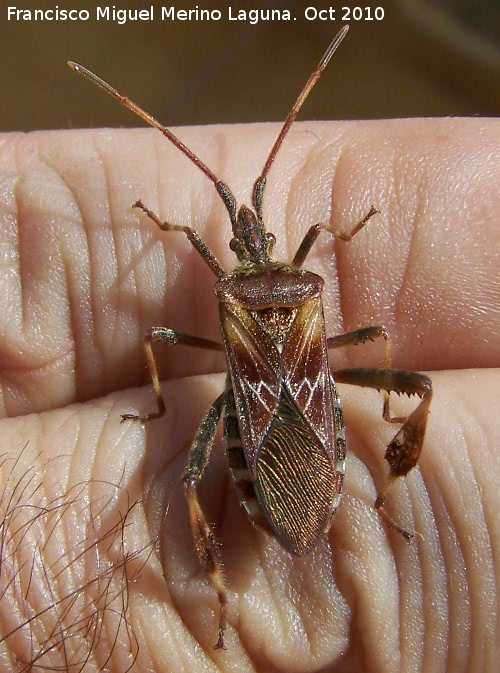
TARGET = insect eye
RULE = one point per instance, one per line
(236, 245)
(271, 240)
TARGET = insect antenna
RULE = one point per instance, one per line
(260, 183)
(222, 189)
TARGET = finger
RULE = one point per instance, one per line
(96, 532)
(88, 276)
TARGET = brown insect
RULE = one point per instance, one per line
(283, 424)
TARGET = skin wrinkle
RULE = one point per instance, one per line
(72, 350)
(480, 440)
(345, 315)
(339, 314)
(436, 584)
(58, 627)
(306, 163)
(400, 165)
(11, 265)
(134, 275)
(329, 611)
(405, 283)
(23, 314)
(168, 241)
(429, 584)
(469, 657)
(490, 521)
(348, 583)
(307, 168)
(398, 310)
(30, 368)
(454, 550)
(15, 224)
(71, 303)
(366, 611)
(246, 656)
(413, 621)
(206, 190)
(127, 278)
(316, 257)
(155, 273)
(101, 283)
(293, 607)
(100, 342)
(131, 274)
(166, 273)
(484, 599)
(282, 611)
(118, 277)
(18, 220)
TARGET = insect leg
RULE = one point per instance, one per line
(361, 336)
(314, 231)
(194, 238)
(403, 451)
(204, 540)
(171, 338)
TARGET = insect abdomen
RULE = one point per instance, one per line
(238, 465)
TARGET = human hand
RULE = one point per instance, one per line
(97, 558)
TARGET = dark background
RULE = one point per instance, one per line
(426, 58)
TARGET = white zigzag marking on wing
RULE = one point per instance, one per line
(257, 388)
(310, 387)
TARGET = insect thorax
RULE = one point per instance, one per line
(276, 321)
(271, 293)
(264, 286)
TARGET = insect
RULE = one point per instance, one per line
(283, 425)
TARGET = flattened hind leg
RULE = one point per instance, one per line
(403, 451)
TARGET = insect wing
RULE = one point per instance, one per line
(287, 420)
(307, 373)
(253, 361)
(298, 483)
